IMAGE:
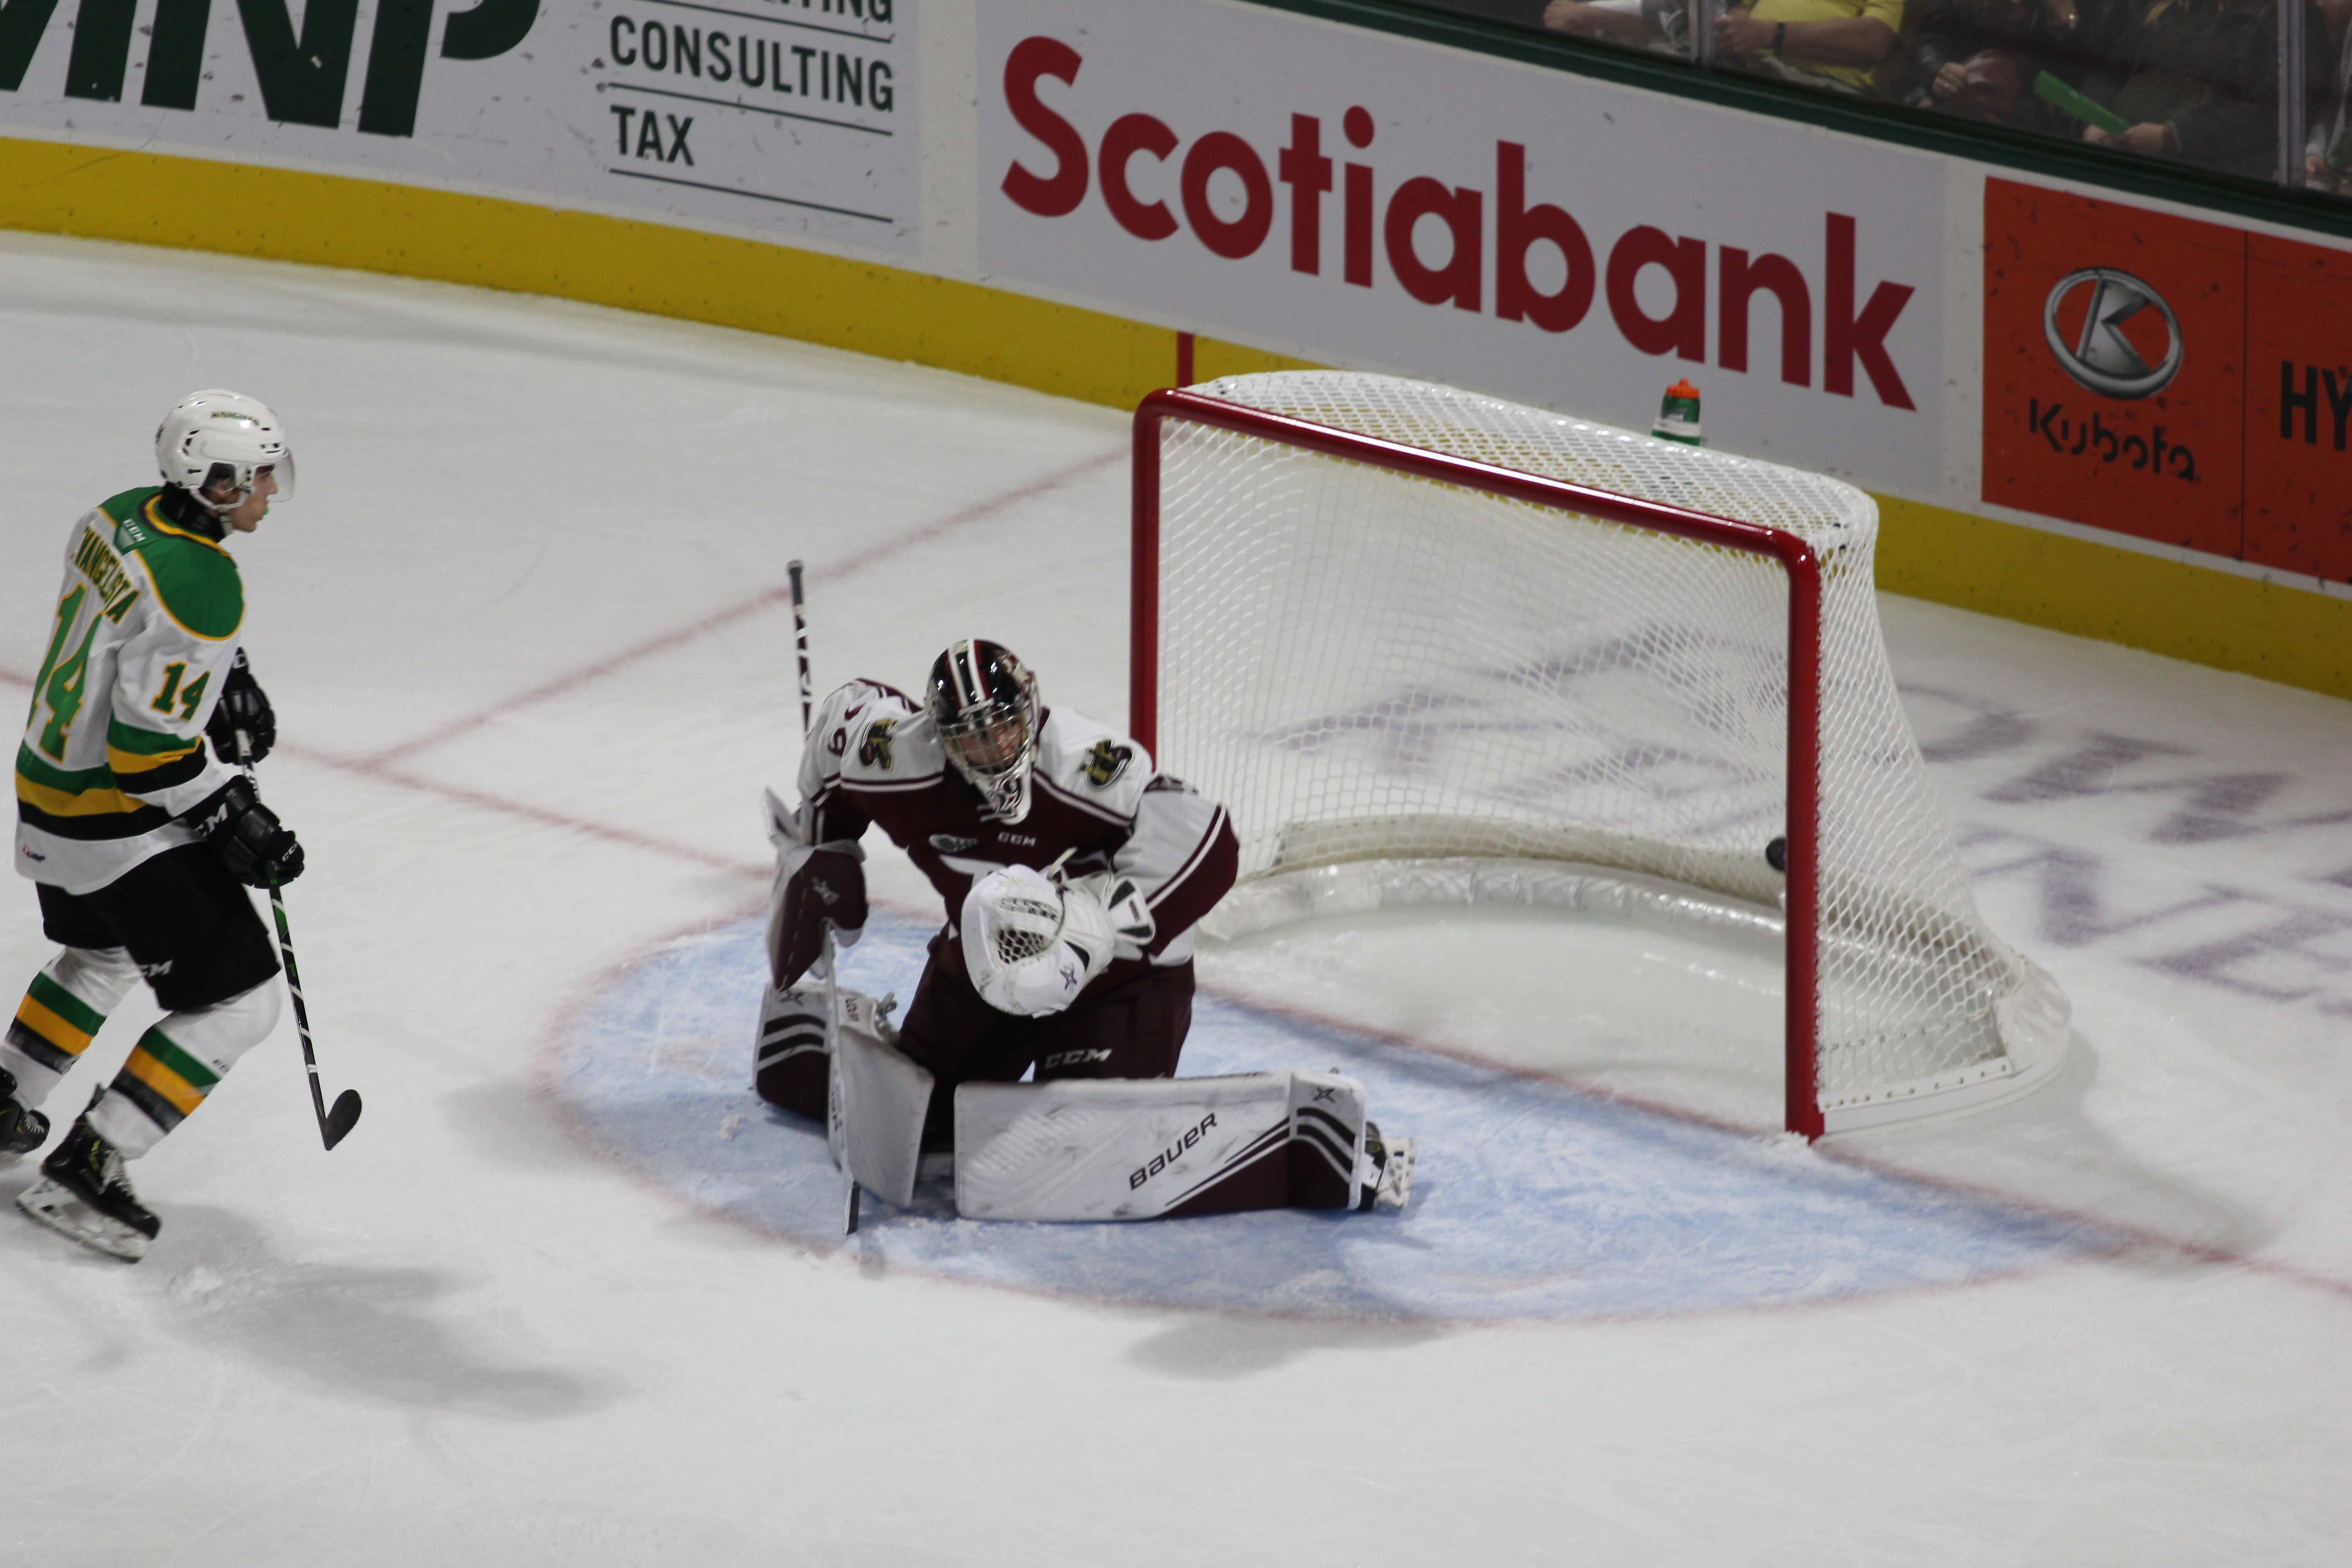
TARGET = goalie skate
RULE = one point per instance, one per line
(1386, 1174)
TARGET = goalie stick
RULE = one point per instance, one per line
(832, 981)
(334, 1124)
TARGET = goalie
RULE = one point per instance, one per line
(1074, 876)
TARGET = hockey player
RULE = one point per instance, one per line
(1074, 876)
(141, 835)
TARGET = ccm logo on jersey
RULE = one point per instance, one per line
(1104, 763)
(1072, 1058)
(1173, 1152)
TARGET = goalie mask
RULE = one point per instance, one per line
(984, 702)
(216, 436)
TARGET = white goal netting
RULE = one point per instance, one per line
(1385, 673)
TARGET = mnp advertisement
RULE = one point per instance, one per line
(789, 119)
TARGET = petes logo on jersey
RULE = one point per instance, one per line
(1104, 763)
(950, 844)
(874, 751)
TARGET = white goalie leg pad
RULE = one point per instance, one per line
(1108, 1149)
(878, 1102)
(791, 1023)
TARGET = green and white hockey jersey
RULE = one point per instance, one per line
(114, 751)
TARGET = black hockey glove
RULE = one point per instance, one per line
(251, 842)
(243, 706)
(827, 885)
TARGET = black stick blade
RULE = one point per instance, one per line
(341, 1118)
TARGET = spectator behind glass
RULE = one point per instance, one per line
(2198, 80)
(1662, 26)
(1847, 46)
(2328, 154)
(1979, 58)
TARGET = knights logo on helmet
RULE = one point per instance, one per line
(983, 704)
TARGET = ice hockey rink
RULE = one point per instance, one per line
(568, 1295)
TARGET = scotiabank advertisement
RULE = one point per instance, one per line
(2169, 379)
(1357, 199)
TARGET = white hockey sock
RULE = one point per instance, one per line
(176, 1064)
(62, 1009)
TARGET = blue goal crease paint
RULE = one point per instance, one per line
(1531, 1198)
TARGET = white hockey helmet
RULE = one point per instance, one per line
(217, 434)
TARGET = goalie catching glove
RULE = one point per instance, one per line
(1031, 943)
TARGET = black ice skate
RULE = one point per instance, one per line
(1385, 1177)
(86, 1194)
(22, 1128)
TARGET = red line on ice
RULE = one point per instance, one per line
(780, 594)
(2130, 1237)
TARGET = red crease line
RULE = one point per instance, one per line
(2127, 1237)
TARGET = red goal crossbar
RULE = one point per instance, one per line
(1795, 556)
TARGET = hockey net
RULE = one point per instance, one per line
(1428, 645)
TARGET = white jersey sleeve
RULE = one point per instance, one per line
(866, 736)
(1179, 850)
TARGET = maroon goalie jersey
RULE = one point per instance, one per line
(874, 757)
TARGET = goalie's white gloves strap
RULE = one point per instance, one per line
(1032, 944)
(1132, 926)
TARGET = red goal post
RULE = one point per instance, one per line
(1794, 556)
(1930, 1011)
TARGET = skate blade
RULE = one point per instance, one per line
(58, 1208)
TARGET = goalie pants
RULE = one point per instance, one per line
(1131, 1028)
(189, 927)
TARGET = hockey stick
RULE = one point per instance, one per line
(333, 1125)
(832, 980)
(799, 644)
(833, 1049)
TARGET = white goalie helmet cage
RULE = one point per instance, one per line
(209, 431)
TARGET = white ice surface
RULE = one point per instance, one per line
(523, 624)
